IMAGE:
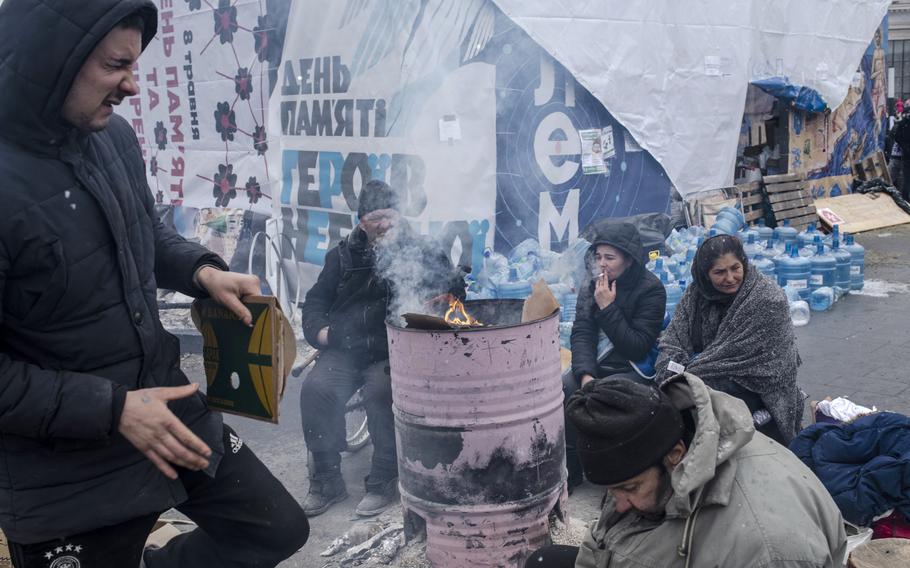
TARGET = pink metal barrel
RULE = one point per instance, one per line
(480, 431)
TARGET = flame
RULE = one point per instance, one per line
(457, 315)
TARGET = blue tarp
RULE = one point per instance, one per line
(802, 98)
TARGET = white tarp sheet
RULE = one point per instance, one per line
(675, 74)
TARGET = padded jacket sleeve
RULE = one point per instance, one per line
(319, 299)
(634, 337)
(44, 404)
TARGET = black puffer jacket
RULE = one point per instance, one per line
(353, 301)
(81, 256)
(632, 322)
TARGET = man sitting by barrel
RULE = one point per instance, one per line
(344, 316)
(690, 483)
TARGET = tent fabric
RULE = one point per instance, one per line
(675, 74)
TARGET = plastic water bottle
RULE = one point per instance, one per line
(807, 251)
(777, 256)
(746, 232)
(857, 263)
(785, 232)
(799, 313)
(528, 267)
(674, 295)
(834, 234)
(824, 266)
(807, 237)
(751, 247)
(791, 293)
(565, 335)
(569, 305)
(821, 299)
(765, 266)
(516, 290)
(522, 249)
(495, 270)
(764, 232)
(656, 265)
(729, 221)
(795, 271)
(844, 261)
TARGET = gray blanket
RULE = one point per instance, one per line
(752, 345)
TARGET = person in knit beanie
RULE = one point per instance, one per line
(690, 483)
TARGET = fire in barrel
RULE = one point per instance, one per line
(480, 431)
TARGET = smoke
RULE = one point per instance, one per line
(417, 268)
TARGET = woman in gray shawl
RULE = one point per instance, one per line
(732, 329)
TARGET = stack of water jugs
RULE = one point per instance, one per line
(511, 277)
(814, 269)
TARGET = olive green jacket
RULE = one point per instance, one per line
(739, 500)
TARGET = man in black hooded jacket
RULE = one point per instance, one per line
(344, 316)
(100, 431)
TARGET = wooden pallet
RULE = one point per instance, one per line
(752, 200)
(872, 167)
(789, 198)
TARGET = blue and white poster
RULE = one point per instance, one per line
(456, 108)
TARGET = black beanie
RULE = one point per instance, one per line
(623, 428)
(376, 195)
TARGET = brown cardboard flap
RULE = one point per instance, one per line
(246, 366)
(540, 304)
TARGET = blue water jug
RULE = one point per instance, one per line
(785, 232)
(746, 233)
(776, 255)
(824, 266)
(844, 260)
(807, 237)
(857, 264)
(764, 232)
(835, 234)
(795, 271)
(765, 266)
(821, 299)
(729, 221)
(751, 247)
(674, 295)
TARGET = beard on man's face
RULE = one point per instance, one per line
(663, 494)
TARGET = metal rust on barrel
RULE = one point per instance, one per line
(480, 432)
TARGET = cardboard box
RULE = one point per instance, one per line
(246, 367)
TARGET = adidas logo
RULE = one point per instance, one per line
(236, 443)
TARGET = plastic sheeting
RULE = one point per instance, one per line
(675, 74)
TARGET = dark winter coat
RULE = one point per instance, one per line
(632, 322)
(865, 465)
(81, 256)
(353, 301)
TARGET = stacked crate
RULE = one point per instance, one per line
(752, 200)
(788, 198)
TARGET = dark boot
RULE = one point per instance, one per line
(379, 496)
(326, 484)
(323, 494)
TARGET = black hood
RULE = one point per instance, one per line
(43, 44)
(621, 235)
